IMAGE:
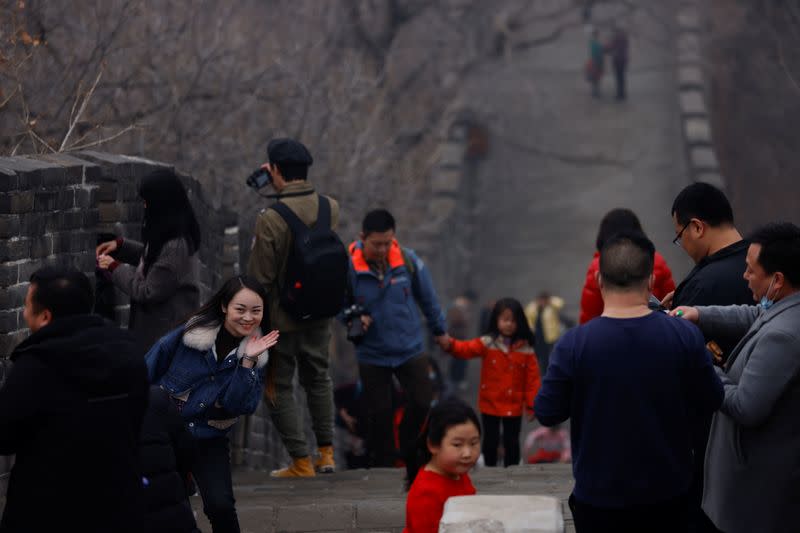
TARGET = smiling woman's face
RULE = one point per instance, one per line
(243, 313)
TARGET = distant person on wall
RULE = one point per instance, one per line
(545, 318)
(595, 65)
(618, 49)
(160, 273)
(616, 221)
(509, 378)
(459, 324)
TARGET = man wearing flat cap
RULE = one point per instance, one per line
(303, 344)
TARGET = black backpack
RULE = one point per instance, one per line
(316, 273)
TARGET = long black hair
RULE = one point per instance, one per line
(167, 214)
(523, 328)
(211, 313)
(444, 415)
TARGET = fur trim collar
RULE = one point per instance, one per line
(203, 339)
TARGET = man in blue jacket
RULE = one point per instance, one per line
(390, 282)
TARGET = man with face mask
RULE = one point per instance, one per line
(704, 228)
(752, 466)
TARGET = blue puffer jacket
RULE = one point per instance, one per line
(395, 335)
(209, 395)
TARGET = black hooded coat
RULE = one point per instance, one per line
(71, 410)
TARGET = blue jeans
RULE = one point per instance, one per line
(212, 473)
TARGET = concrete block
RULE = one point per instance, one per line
(315, 517)
(9, 274)
(691, 77)
(697, 131)
(9, 180)
(703, 158)
(712, 178)
(502, 514)
(10, 226)
(692, 103)
(380, 514)
(86, 197)
(16, 202)
(14, 249)
(41, 246)
(9, 320)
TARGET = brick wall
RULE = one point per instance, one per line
(53, 207)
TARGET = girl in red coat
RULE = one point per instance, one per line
(447, 449)
(509, 377)
(615, 221)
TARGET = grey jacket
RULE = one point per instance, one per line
(752, 470)
(166, 295)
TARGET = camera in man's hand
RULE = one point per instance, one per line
(355, 327)
(259, 179)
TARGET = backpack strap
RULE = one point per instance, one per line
(297, 226)
(323, 214)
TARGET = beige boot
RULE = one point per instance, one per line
(325, 463)
(300, 467)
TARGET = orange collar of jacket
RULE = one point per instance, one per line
(360, 264)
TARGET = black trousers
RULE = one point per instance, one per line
(491, 438)
(669, 516)
(619, 75)
(212, 473)
(378, 393)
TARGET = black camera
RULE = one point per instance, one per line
(355, 328)
(259, 179)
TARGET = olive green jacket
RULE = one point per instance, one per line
(271, 246)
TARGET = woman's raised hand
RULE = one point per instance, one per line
(105, 248)
(258, 345)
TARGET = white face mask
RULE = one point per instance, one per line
(765, 302)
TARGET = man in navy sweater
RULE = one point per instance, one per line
(631, 383)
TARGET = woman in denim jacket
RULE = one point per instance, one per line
(213, 369)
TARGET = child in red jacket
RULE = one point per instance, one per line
(447, 449)
(509, 377)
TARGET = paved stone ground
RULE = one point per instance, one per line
(365, 500)
(559, 159)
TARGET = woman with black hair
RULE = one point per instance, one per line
(615, 221)
(160, 274)
(510, 377)
(213, 369)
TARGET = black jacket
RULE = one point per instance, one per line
(71, 410)
(717, 280)
(167, 453)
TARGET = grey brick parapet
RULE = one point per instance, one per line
(692, 76)
(52, 209)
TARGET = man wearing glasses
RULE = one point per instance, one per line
(704, 228)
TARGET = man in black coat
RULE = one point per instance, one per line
(704, 228)
(71, 410)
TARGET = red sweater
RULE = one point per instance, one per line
(425, 503)
(592, 300)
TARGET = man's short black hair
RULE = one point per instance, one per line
(62, 291)
(626, 260)
(704, 202)
(291, 157)
(377, 221)
(780, 250)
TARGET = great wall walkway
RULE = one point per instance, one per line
(558, 160)
(365, 500)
